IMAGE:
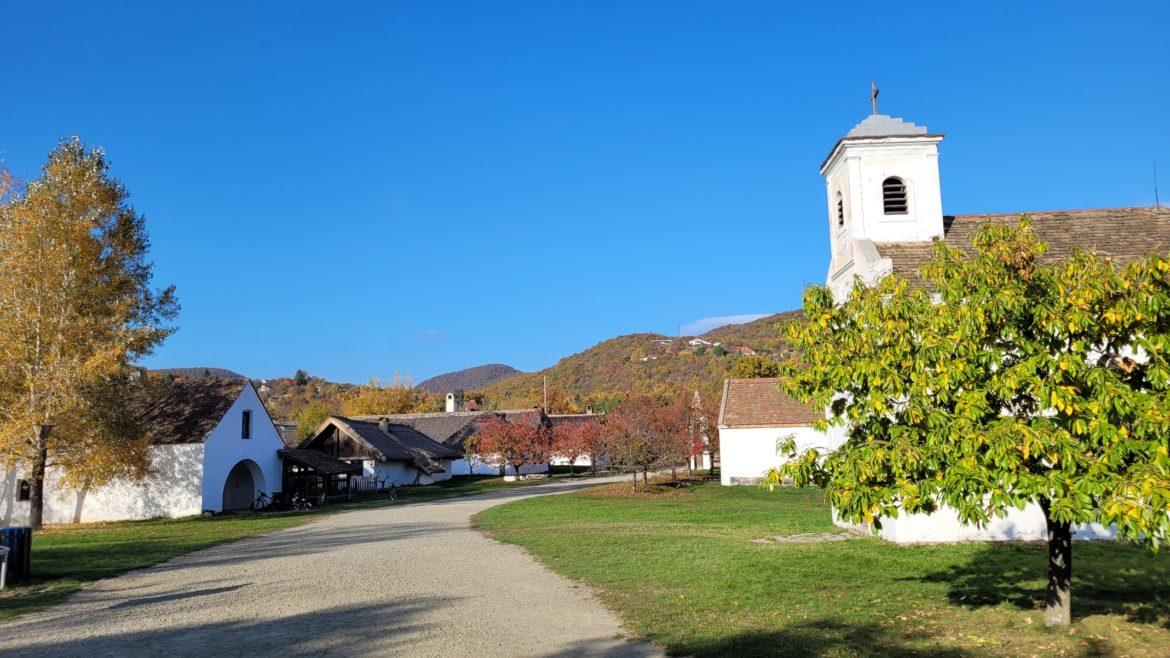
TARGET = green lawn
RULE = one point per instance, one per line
(684, 573)
(66, 557)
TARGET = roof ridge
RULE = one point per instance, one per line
(1078, 211)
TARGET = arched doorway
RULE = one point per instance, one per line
(243, 484)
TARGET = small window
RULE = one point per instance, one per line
(840, 210)
(24, 490)
(894, 196)
(246, 426)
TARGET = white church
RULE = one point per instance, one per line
(884, 209)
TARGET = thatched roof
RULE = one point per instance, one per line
(394, 442)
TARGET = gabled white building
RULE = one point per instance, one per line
(215, 448)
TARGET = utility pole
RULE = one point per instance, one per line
(546, 394)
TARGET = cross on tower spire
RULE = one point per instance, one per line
(873, 94)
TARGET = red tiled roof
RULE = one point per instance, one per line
(759, 403)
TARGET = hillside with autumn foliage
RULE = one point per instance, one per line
(641, 364)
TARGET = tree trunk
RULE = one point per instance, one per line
(1058, 602)
(673, 471)
(36, 498)
(645, 477)
(635, 487)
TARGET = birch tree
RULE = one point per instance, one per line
(76, 309)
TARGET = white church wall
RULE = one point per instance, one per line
(943, 526)
(747, 453)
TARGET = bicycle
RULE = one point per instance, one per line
(262, 502)
(301, 504)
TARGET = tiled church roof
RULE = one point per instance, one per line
(1126, 234)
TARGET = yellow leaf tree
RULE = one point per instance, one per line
(76, 310)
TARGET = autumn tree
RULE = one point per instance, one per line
(396, 397)
(471, 453)
(310, 416)
(576, 439)
(1010, 379)
(634, 437)
(515, 442)
(76, 309)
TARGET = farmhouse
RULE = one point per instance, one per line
(389, 451)
(213, 448)
(884, 205)
(452, 428)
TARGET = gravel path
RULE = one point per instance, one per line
(404, 580)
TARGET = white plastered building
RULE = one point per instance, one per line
(215, 448)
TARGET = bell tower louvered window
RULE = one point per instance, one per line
(894, 196)
(840, 210)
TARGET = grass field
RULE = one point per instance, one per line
(683, 572)
(66, 557)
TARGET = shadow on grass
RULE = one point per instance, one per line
(1108, 578)
(816, 638)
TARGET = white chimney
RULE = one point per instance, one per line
(384, 425)
(450, 402)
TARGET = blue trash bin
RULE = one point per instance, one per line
(19, 543)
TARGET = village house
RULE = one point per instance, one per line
(884, 210)
(214, 449)
(390, 452)
(753, 417)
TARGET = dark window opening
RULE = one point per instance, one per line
(24, 490)
(840, 210)
(246, 427)
(894, 196)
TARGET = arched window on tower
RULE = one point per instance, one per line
(840, 209)
(894, 196)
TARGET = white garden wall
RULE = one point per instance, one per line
(174, 489)
(492, 467)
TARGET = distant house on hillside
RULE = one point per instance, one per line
(214, 448)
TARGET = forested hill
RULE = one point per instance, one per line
(199, 373)
(646, 364)
(468, 378)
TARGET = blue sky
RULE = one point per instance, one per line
(368, 188)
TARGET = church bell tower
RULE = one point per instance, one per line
(882, 186)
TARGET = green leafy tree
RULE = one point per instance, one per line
(301, 378)
(76, 310)
(1022, 380)
(754, 367)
